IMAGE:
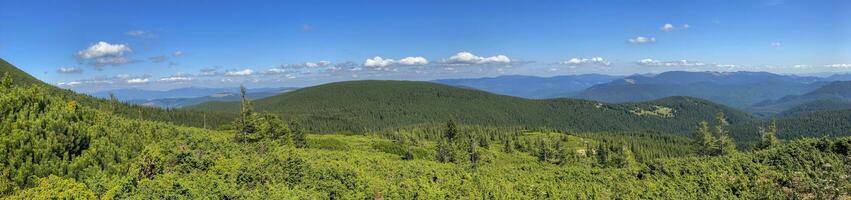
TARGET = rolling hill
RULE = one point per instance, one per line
(379, 105)
(736, 89)
(836, 95)
(180, 117)
(532, 87)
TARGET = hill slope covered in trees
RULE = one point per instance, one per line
(736, 89)
(181, 117)
(835, 95)
(57, 149)
(360, 106)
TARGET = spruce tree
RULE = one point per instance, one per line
(768, 136)
(726, 145)
(299, 136)
(705, 141)
(451, 131)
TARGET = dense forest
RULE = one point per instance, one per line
(359, 106)
(175, 116)
(56, 148)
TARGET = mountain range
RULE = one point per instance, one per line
(532, 87)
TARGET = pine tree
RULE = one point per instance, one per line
(560, 153)
(544, 151)
(244, 123)
(451, 131)
(768, 136)
(704, 139)
(726, 145)
(299, 136)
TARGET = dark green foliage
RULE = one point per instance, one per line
(365, 106)
(174, 116)
(56, 149)
(451, 131)
(299, 136)
(768, 137)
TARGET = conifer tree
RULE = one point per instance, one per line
(726, 145)
(451, 131)
(298, 135)
(705, 141)
(768, 136)
(473, 153)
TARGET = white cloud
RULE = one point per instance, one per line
(140, 33)
(469, 58)
(775, 44)
(111, 61)
(317, 64)
(102, 49)
(679, 63)
(176, 78)
(839, 65)
(379, 62)
(642, 40)
(177, 53)
(244, 72)
(413, 61)
(583, 61)
(70, 83)
(70, 70)
(137, 80)
(276, 71)
(208, 72)
(671, 27)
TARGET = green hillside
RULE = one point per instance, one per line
(830, 123)
(55, 149)
(181, 117)
(360, 106)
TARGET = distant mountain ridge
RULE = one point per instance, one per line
(835, 95)
(221, 96)
(136, 94)
(737, 89)
(532, 87)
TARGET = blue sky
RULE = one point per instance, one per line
(97, 45)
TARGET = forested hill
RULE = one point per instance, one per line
(180, 117)
(737, 89)
(835, 95)
(376, 105)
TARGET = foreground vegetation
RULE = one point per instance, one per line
(52, 147)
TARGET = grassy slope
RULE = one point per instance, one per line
(181, 117)
(377, 105)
